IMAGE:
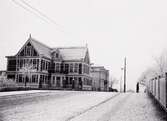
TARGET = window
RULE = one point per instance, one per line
(34, 78)
(34, 63)
(49, 64)
(66, 81)
(46, 65)
(57, 55)
(58, 81)
(46, 79)
(24, 61)
(80, 68)
(53, 79)
(37, 64)
(17, 78)
(41, 65)
(30, 61)
(105, 82)
(11, 65)
(62, 68)
(22, 53)
(28, 44)
(20, 78)
(71, 80)
(34, 53)
(76, 68)
(71, 68)
(57, 67)
(11, 77)
(66, 68)
(28, 50)
(80, 81)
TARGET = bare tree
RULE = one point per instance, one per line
(161, 63)
(158, 69)
(26, 71)
(113, 81)
(147, 74)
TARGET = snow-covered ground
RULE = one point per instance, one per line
(81, 106)
(21, 92)
(139, 107)
(57, 109)
(125, 107)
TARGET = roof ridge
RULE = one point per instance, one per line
(72, 47)
(33, 39)
(97, 66)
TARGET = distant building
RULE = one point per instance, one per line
(39, 66)
(100, 78)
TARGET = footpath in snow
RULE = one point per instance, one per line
(125, 107)
(139, 107)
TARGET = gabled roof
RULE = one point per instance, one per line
(66, 53)
(72, 53)
(41, 48)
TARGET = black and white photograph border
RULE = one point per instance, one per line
(83, 60)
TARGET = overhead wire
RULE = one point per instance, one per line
(28, 10)
(40, 14)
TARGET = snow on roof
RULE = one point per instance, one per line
(72, 53)
(67, 53)
(98, 68)
(41, 48)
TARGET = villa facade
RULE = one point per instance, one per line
(39, 66)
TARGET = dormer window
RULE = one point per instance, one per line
(57, 55)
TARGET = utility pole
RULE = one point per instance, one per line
(125, 75)
(121, 79)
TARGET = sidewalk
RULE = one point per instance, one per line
(21, 92)
(125, 107)
(139, 107)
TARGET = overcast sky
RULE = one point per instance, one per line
(112, 29)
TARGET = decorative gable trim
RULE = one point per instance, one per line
(28, 41)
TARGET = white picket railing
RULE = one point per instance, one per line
(7, 83)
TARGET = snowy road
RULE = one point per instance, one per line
(78, 106)
(125, 107)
